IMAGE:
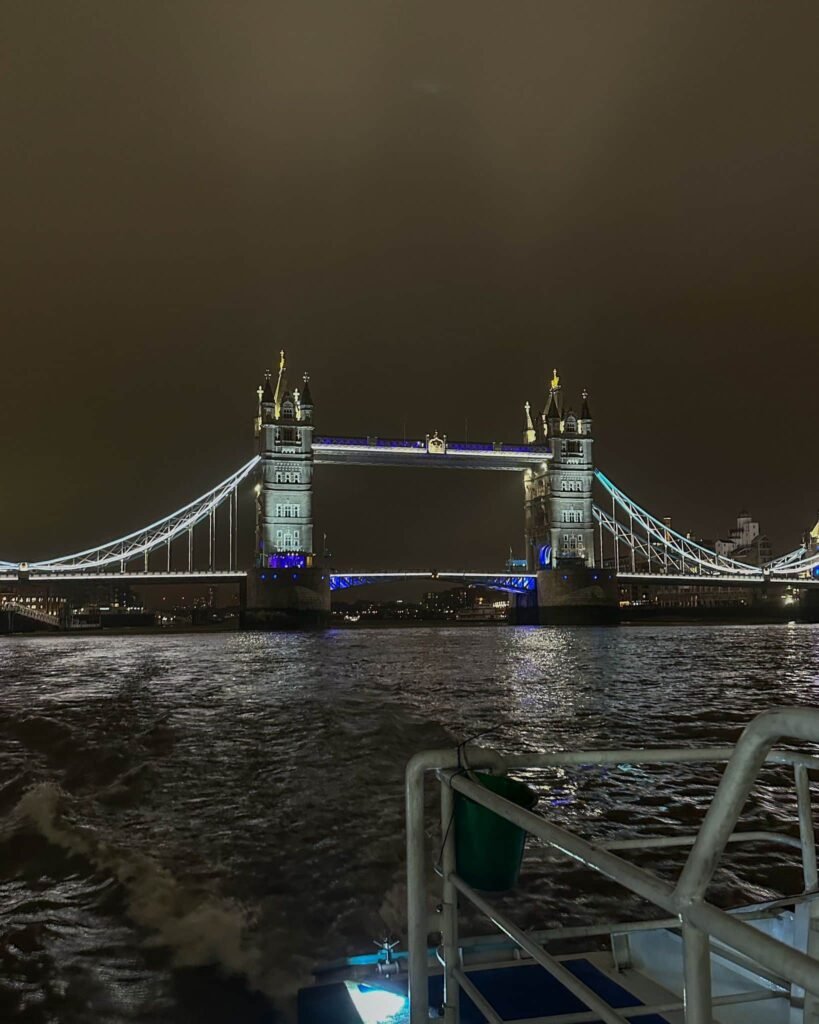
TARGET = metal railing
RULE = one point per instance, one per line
(31, 612)
(699, 920)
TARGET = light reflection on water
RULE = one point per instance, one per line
(238, 797)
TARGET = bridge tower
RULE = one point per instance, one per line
(570, 486)
(287, 587)
(571, 587)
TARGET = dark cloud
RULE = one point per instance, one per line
(429, 205)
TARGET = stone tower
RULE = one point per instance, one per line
(287, 588)
(284, 503)
(570, 488)
(560, 521)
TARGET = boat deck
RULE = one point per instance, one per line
(517, 992)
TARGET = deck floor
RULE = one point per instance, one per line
(517, 993)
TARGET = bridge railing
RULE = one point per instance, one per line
(699, 920)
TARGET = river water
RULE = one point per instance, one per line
(188, 822)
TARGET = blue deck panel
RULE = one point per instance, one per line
(529, 991)
(517, 993)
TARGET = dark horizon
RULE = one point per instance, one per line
(429, 209)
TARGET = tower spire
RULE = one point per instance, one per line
(281, 384)
(553, 403)
(529, 435)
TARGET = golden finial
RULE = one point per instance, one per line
(555, 382)
(281, 360)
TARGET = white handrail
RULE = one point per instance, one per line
(685, 901)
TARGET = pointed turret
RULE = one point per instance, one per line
(267, 402)
(306, 397)
(552, 414)
(529, 435)
(306, 401)
(584, 422)
(584, 409)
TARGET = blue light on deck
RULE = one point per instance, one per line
(376, 1005)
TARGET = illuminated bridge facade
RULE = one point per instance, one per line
(584, 536)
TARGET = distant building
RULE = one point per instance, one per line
(446, 603)
(745, 543)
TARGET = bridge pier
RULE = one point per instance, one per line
(524, 610)
(577, 596)
(809, 606)
(287, 599)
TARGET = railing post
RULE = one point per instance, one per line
(230, 530)
(697, 968)
(416, 894)
(806, 832)
(811, 877)
(449, 909)
(417, 922)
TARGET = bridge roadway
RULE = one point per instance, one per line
(504, 580)
(512, 582)
(384, 451)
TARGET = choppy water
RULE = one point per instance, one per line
(188, 822)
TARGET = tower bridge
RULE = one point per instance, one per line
(584, 536)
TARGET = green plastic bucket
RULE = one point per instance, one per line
(488, 848)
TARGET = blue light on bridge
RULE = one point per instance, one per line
(544, 557)
(512, 584)
(286, 561)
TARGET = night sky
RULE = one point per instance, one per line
(429, 205)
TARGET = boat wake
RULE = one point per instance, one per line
(198, 929)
